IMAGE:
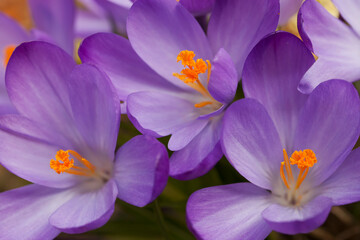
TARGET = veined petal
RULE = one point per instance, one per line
(141, 170)
(237, 25)
(287, 9)
(168, 29)
(197, 7)
(229, 212)
(350, 10)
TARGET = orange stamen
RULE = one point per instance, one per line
(202, 104)
(8, 51)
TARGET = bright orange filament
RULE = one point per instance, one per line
(190, 74)
(63, 163)
(8, 51)
(303, 159)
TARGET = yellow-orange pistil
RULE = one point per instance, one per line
(63, 163)
(304, 159)
(8, 51)
(190, 75)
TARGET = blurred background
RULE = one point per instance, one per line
(165, 218)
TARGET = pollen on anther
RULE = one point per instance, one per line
(62, 162)
(303, 159)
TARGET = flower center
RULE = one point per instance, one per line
(8, 51)
(190, 76)
(63, 163)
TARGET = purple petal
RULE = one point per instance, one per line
(168, 29)
(229, 212)
(200, 155)
(342, 186)
(25, 212)
(329, 125)
(271, 75)
(293, 220)
(86, 210)
(161, 112)
(96, 109)
(336, 45)
(56, 19)
(223, 79)
(287, 9)
(350, 10)
(114, 55)
(251, 143)
(237, 25)
(87, 23)
(197, 7)
(141, 170)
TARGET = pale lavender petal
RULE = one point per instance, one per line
(200, 155)
(237, 25)
(114, 55)
(56, 19)
(87, 210)
(294, 220)
(197, 7)
(229, 212)
(350, 10)
(287, 9)
(251, 143)
(141, 170)
(168, 29)
(335, 43)
(163, 113)
(25, 212)
(342, 187)
(96, 109)
(87, 23)
(223, 79)
(271, 75)
(329, 125)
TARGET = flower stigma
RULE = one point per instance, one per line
(8, 51)
(190, 76)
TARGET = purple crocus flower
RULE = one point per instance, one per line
(294, 149)
(183, 80)
(335, 43)
(63, 141)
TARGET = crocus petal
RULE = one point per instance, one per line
(114, 55)
(37, 80)
(342, 186)
(85, 211)
(271, 75)
(237, 25)
(56, 19)
(25, 212)
(141, 170)
(197, 7)
(251, 143)
(200, 155)
(87, 23)
(96, 109)
(229, 212)
(350, 10)
(161, 112)
(168, 29)
(329, 125)
(287, 9)
(223, 79)
(337, 46)
(293, 220)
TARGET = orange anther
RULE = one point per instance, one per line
(8, 51)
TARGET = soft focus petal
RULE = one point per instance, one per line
(87, 23)
(350, 10)
(197, 7)
(96, 109)
(251, 143)
(293, 220)
(200, 155)
(56, 18)
(25, 212)
(271, 75)
(160, 112)
(168, 29)
(223, 79)
(86, 210)
(336, 45)
(342, 187)
(287, 9)
(329, 125)
(141, 170)
(237, 25)
(229, 212)
(114, 55)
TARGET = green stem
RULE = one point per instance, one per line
(161, 220)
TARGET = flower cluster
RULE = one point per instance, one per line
(213, 75)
